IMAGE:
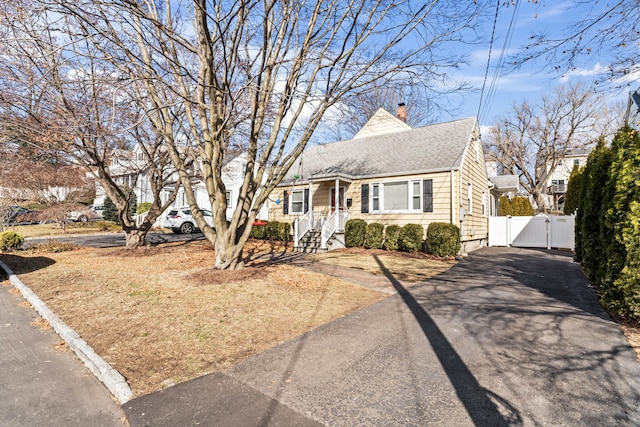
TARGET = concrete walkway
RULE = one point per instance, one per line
(507, 337)
(42, 383)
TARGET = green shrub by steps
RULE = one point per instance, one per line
(10, 241)
(443, 239)
(391, 237)
(374, 236)
(259, 232)
(411, 238)
(280, 231)
(354, 233)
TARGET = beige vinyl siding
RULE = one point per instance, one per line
(441, 201)
(476, 225)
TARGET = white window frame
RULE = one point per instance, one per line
(227, 196)
(413, 195)
(292, 204)
(410, 197)
(469, 198)
(377, 198)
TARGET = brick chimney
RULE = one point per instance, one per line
(401, 112)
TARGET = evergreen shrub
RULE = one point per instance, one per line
(10, 240)
(443, 239)
(354, 233)
(411, 237)
(392, 237)
(374, 236)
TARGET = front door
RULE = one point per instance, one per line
(340, 199)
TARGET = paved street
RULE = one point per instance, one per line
(112, 240)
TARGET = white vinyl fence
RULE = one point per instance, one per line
(540, 231)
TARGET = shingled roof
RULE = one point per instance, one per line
(427, 149)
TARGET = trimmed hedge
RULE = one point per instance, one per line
(443, 239)
(10, 240)
(259, 232)
(374, 236)
(411, 238)
(354, 233)
(516, 206)
(275, 230)
(392, 237)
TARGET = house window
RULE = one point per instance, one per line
(375, 197)
(297, 201)
(400, 196)
(469, 199)
(396, 196)
(576, 162)
(416, 195)
(227, 196)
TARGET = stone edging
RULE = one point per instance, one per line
(111, 378)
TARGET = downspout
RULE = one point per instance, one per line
(453, 215)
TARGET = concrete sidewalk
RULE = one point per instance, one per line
(506, 337)
(40, 384)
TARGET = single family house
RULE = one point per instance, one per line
(388, 173)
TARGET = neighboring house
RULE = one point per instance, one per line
(557, 184)
(391, 174)
(44, 183)
(129, 168)
(499, 185)
(632, 116)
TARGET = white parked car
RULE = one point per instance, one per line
(181, 221)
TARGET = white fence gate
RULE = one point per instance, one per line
(540, 231)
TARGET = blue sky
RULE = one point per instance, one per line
(529, 82)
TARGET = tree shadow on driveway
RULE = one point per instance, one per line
(541, 332)
(481, 404)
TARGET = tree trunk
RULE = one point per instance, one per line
(540, 201)
(229, 251)
(135, 238)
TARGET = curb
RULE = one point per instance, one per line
(111, 378)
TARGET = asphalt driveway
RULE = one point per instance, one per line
(507, 337)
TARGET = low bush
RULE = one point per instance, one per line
(10, 241)
(411, 238)
(443, 239)
(284, 231)
(354, 233)
(106, 226)
(391, 237)
(275, 230)
(374, 236)
(259, 232)
(53, 246)
(143, 207)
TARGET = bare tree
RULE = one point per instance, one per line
(76, 108)
(532, 139)
(611, 28)
(258, 76)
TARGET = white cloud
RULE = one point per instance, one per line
(596, 70)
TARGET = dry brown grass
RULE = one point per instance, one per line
(411, 267)
(161, 315)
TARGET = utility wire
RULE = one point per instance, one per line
(483, 108)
